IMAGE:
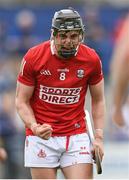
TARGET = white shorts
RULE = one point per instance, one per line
(57, 151)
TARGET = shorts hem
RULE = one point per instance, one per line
(68, 164)
(41, 165)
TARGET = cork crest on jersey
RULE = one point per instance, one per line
(80, 73)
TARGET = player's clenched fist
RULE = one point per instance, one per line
(44, 131)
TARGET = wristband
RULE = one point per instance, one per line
(99, 129)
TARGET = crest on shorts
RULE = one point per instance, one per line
(80, 73)
(41, 153)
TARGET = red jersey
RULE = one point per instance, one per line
(60, 86)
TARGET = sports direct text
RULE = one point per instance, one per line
(59, 95)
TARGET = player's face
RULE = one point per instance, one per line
(67, 40)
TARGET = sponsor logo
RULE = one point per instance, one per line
(83, 150)
(86, 152)
(80, 73)
(59, 95)
(45, 72)
(63, 70)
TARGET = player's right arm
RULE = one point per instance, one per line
(23, 95)
(24, 92)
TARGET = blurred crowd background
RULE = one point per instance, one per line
(25, 23)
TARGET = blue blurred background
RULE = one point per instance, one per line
(25, 23)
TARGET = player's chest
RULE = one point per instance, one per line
(62, 73)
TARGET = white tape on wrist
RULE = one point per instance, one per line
(99, 130)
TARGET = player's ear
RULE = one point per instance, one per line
(81, 37)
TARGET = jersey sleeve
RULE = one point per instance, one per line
(97, 73)
(26, 74)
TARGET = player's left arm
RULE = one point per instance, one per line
(98, 113)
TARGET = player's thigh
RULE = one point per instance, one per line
(43, 173)
(78, 171)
